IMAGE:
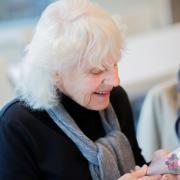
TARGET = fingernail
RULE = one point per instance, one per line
(137, 167)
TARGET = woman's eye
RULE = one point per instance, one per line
(96, 72)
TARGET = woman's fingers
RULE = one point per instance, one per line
(170, 177)
(137, 167)
(158, 177)
(140, 172)
(129, 176)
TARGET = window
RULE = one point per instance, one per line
(20, 9)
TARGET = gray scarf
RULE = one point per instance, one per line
(109, 157)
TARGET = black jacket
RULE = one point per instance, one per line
(32, 147)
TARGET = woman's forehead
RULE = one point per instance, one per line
(104, 63)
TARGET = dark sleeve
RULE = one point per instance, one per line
(123, 111)
(16, 157)
(177, 126)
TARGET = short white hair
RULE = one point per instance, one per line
(68, 32)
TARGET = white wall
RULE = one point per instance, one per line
(140, 15)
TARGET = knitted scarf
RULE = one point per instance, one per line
(109, 157)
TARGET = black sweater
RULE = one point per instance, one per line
(33, 147)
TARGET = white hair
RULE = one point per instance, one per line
(68, 32)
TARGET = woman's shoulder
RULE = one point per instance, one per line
(16, 116)
(13, 111)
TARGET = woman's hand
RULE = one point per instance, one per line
(139, 174)
(170, 177)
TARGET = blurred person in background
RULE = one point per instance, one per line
(178, 112)
(71, 119)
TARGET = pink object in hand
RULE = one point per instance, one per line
(166, 165)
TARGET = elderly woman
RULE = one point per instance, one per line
(71, 119)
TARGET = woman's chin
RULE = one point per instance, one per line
(99, 106)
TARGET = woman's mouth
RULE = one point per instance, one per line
(103, 93)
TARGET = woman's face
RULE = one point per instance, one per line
(89, 86)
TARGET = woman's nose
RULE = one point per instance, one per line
(112, 78)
